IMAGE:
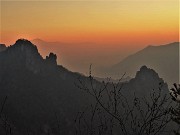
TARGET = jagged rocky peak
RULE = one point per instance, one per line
(24, 44)
(2, 47)
(147, 74)
(51, 59)
(27, 53)
(146, 80)
(23, 41)
(25, 48)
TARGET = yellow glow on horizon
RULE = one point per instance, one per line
(96, 21)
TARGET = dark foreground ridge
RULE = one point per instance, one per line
(43, 97)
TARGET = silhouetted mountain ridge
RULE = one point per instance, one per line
(39, 90)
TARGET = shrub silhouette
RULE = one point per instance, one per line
(175, 93)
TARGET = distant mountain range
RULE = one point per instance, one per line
(78, 56)
(74, 56)
(164, 59)
(42, 96)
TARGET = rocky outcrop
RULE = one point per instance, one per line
(51, 59)
(145, 81)
(25, 54)
(147, 74)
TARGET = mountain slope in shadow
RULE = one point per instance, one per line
(164, 59)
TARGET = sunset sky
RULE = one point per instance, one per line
(120, 22)
(102, 32)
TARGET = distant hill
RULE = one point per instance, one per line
(42, 96)
(164, 59)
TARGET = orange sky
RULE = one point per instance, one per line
(121, 23)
